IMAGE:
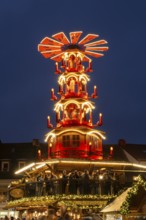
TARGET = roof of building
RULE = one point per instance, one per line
(117, 155)
(130, 152)
(138, 151)
(22, 150)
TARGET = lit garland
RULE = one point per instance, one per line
(124, 210)
(83, 201)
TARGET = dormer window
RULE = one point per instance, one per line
(5, 166)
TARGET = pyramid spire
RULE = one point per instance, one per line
(74, 134)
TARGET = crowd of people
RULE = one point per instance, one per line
(75, 182)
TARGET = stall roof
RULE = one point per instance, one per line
(40, 166)
(116, 204)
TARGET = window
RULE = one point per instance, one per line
(66, 141)
(75, 140)
(71, 141)
(5, 166)
(21, 164)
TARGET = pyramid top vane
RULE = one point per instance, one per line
(56, 47)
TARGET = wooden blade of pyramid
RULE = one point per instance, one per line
(86, 59)
(88, 38)
(58, 58)
(61, 37)
(93, 54)
(95, 43)
(50, 41)
(50, 53)
(42, 47)
(97, 48)
(74, 36)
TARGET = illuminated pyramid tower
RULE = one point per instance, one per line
(74, 135)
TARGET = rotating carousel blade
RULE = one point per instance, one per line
(97, 48)
(50, 41)
(95, 43)
(57, 58)
(93, 54)
(50, 53)
(42, 47)
(61, 37)
(74, 36)
(88, 38)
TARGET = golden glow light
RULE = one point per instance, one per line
(72, 75)
(100, 176)
(38, 165)
(111, 148)
(139, 165)
(89, 104)
(59, 106)
(94, 133)
(102, 163)
(66, 55)
(25, 168)
(41, 165)
(50, 134)
(78, 161)
(62, 79)
(84, 76)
